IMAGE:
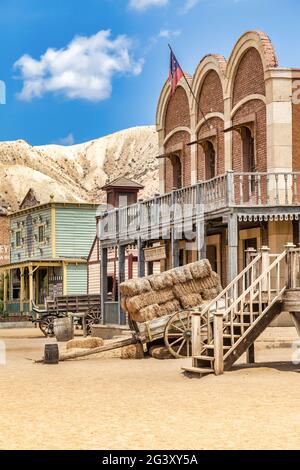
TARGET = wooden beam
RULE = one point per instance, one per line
(103, 279)
(121, 278)
(22, 290)
(218, 343)
(141, 259)
(53, 230)
(232, 247)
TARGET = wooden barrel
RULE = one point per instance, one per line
(63, 329)
(51, 354)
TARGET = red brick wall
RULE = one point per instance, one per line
(211, 95)
(4, 240)
(218, 143)
(177, 114)
(249, 78)
(177, 138)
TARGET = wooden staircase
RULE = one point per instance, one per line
(228, 326)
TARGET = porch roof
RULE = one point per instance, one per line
(42, 262)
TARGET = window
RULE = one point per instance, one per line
(177, 171)
(210, 160)
(248, 151)
(41, 236)
(18, 239)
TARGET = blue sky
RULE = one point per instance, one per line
(76, 70)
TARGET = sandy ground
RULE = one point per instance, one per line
(109, 403)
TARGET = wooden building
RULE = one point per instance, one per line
(49, 245)
(229, 166)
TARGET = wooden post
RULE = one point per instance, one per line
(196, 338)
(230, 188)
(265, 262)
(174, 249)
(121, 278)
(218, 343)
(103, 280)
(141, 258)
(232, 251)
(200, 237)
(21, 290)
(290, 264)
(249, 257)
(30, 287)
(250, 355)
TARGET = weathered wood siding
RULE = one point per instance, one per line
(76, 279)
(28, 223)
(75, 230)
(94, 278)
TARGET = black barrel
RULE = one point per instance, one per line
(51, 354)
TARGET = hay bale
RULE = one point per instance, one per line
(160, 352)
(85, 343)
(138, 302)
(211, 294)
(185, 288)
(135, 287)
(146, 314)
(191, 300)
(187, 272)
(133, 351)
(169, 307)
(160, 281)
(200, 269)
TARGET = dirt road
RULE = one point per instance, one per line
(109, 403)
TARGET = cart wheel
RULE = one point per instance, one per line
(92, 318)
(47, 326)
(178, 334)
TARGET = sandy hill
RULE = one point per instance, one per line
(79, 171)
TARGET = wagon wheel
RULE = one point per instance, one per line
(178, 334)
(92, 317)
(46, 325)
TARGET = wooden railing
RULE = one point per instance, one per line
(228, 190)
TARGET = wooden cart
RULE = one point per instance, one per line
(175, 329)
(84, 308)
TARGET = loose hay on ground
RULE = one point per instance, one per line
(133, 351)
(85, 343)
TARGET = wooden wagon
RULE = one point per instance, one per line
(85, 309)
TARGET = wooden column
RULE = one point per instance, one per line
(200, 238)
(232, 251)
(21, 290)
(197, 345)
(218, 343)
(291, 267)
(174, 249)
(121, 278)
(5, 288)
(103, 280)
(265, 262)
(141, 258)
(30, 287)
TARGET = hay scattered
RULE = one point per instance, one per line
(147, 313)
(160, 352)
(135, 287)
(191, 300)
(133, 351)
(85, 343)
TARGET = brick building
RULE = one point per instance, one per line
(235, 151)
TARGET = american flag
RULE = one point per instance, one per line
(175, 73)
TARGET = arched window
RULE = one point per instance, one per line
(248, 151)
(177, 171)
(210, 160)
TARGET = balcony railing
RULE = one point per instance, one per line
(228, 190)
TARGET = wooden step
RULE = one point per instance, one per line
(211, 346)
(198, 370)
(204, 358)
(227, 335)
(238, 324)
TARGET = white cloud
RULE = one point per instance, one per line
(189, 4)
(84, 69)
(167, 33)
(141, 5)
(68, 140)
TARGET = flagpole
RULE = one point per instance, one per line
(190, 88)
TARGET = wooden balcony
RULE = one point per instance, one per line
(245, 191)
